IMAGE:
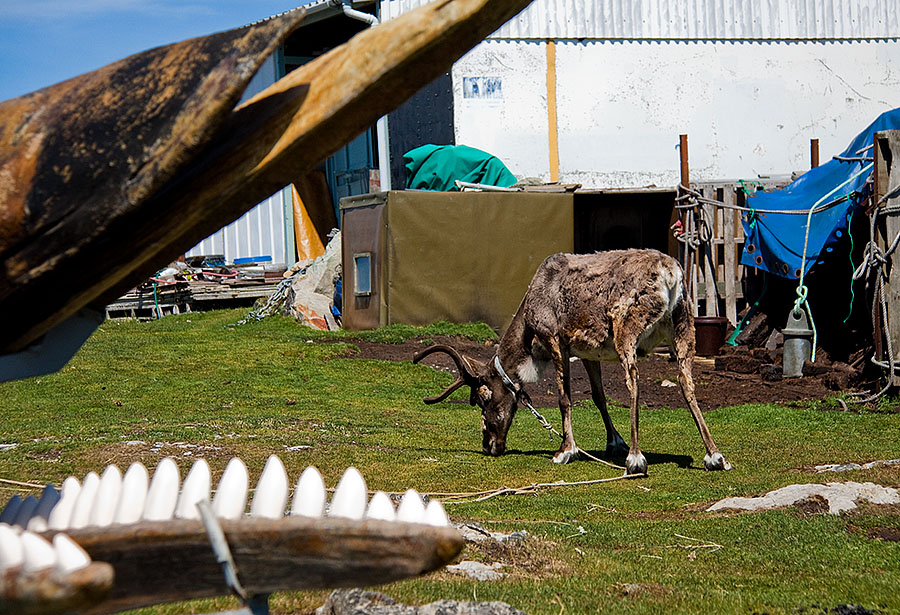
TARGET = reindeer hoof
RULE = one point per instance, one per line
(716, 462)
(636, 463)
(615, 448)
(564, 456)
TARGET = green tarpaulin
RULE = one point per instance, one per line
(437, 167)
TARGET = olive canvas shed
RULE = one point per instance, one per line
(417, 257)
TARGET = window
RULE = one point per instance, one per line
(362, 274)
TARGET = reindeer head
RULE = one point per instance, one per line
(487, 391)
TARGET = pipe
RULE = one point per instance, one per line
(381, 126)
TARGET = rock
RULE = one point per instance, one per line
(361, 602)
(815, 369)
(839, 496)
(771, 372)
(475, 532)
(477, 570)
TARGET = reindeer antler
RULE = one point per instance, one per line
(462, 364)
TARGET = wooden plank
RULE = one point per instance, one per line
(198, 163)
(709, 273)
(888, 176)
(730, 257)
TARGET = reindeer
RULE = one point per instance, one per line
(602, 306)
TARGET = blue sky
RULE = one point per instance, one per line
(46, 41)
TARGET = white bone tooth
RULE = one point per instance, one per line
(62, 512)
(11, 510)
(37, 524)
(82, 510)
(381, 507)
(107, 498)
(163, 493)
(436, 515)
(230, 500)
(39, 553)
(69, 554)
(49, 499)
(309, 495)
(350, 496)
(195, 488)
(411, 509)
(26, 511)
(271, 493)
(11, 552)
(134, 494)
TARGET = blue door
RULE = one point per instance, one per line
(348, 169)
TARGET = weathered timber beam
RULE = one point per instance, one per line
(158, 562)
(264, 144)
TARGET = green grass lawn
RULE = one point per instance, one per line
(191, 385)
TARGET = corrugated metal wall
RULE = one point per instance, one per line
(259, 232)
(695, 19)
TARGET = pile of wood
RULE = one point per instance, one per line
(193, 291)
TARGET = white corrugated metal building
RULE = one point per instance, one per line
(596, 92)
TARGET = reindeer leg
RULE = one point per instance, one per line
(626, 347)
(683, 341)
(567, 450)
(615, 445)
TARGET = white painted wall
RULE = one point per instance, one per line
(748, 108)
(512, 126)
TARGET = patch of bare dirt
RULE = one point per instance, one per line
(718, 382)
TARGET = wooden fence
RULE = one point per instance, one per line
(716, 279)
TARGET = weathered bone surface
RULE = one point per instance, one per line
(604, 306)
(170, 558)
(107, 176)
(39, 577)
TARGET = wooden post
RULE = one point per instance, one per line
(813, 153)
(708, 258)
(730, 256)
(887, 175)
(687, 225)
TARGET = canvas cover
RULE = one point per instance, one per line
(459, 257)
(775, 241)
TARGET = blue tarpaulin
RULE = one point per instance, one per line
(774, 241)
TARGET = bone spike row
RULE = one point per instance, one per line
(381, 508)
(349, 500)
(163, 493)
(26, 511)
(107, 498)
(271, 493)
(82, 510)
(11, 510)
(38, 553)
(309, 494)
(436, 515)
(231, 494)
(11, 553)
(134, 494)
(62, 512)
(195, 488)
(411, 509)
(69, 555)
